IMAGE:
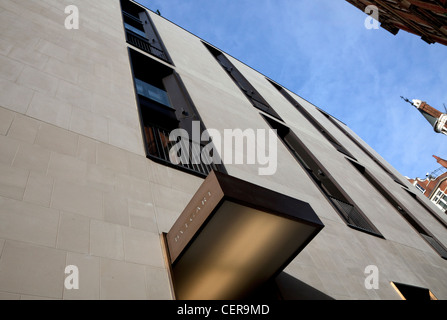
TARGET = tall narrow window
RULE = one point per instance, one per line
(366, 151)
(250, 92)
(404, 212)
(427, 208)
(164, 106)
(140, 31)
(344, 206)
(312, 120)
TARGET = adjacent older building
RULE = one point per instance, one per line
(425, 18)
(114, 167)
(434, 186)
(436, 118)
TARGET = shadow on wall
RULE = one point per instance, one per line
(294, 289)
(286, 287)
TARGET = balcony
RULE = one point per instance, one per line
(160, 149)
(142, 43)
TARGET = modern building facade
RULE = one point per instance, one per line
(91, 178)
(425, 18)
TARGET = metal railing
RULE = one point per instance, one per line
(144, 45)
(352, 216)
(184, 154)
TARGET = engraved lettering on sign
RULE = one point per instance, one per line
(193, 215)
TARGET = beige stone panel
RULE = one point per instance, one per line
(6, 118)
(111, 99)
(157, 283)
(32, 270)
(73, 233)
(50, 110)
(171, 199)
(51, 49)
(72, 93)
(77, 198)
(137, 165)
(142, 247)
(126, 137)
(61, 70)
(89, 277)
(142, 216)
(14, 97)
(106, 240)
(92, 83)
(112, 157)
(89, 124)
(27, 56)
(10, 69)
(122, 280)
(27, 222)
(8, 149)
(2, 243)
(5, 47)
(9, 296)
(101, 178)
(166, 218)
(24, 128)
(115, 208)
(133, 188)
(86, 150)
(12, 182)
(32, 157)
(56, 139)
(67, 167)
(38, 189)
(38, 80)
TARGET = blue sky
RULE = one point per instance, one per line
(321, 50)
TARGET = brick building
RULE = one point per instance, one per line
(434, 186)
(425, 18)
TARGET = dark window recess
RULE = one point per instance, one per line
(404, 212)
(426, 207)
(250, 92)
(414, 293)
(312, 120)
(140, 31)
(328, 186)
(366, 151)
(164, 106)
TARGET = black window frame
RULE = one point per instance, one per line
(144, 43)
(242, 83)
(311, 119)
(437, 246)
(161, 157)
(354, 218)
